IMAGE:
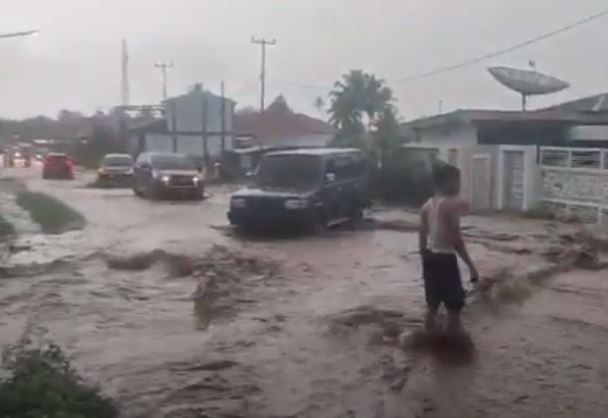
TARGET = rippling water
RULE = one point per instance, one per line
(305, 327)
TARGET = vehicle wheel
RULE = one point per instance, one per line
(357, 214)
(319, 223)
(150, 194)
(199, 195)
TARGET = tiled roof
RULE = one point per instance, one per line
(278, 121)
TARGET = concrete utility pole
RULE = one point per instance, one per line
(263, 43)
(125, 89)
(163, 67)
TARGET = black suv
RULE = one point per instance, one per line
(313, 187)
(158, 175)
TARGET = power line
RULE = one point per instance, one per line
(263, 44)
(475, 60)
(18, 34)
(506, 50)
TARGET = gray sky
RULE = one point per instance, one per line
(75, 61)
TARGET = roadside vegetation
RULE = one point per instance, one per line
(362, 109)
(41, 383)
(6, 228)
(53, 216)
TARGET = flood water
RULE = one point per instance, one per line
(174, 315)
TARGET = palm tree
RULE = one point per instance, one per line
(320, 104)
(357, 102)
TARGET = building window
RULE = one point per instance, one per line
(586, 159)
(555, 158)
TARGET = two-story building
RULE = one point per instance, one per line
(198, 123)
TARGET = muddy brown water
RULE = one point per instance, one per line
(175, 317)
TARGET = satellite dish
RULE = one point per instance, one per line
(527, 82)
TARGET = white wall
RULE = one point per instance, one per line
(189, 113)
(441, 136)
(159, 143)
(531, 192)
(187, 144)
(589, 133)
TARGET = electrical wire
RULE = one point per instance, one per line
(475, 60)
(503, 51)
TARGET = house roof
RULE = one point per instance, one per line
(198, 90)
(278, 121)
(555, 115)
(595, 103)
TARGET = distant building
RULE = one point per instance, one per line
(516, 160)
(279, 127)
(198, 123)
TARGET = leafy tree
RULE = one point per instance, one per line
(361, 108)
(319, 104)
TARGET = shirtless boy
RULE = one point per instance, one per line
(440, 241)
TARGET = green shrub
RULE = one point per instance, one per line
(53, 216)
(6, 228)
(41, 383)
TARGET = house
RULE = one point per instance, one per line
(278, 127)
(518, 160)
(198, 123)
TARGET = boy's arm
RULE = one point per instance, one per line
(453, 213)
(423, 230)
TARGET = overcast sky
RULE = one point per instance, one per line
(74, 62)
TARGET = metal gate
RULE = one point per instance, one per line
(513, 186)
(481, 182)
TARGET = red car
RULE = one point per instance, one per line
(58, 166)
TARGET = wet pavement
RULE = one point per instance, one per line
(175, 315)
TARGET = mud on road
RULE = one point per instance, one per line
(174, 316)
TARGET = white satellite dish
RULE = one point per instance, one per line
(527, 82)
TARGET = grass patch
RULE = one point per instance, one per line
(41, 383)
(6, 228)
(53, 216)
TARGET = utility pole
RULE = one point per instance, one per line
(125, 92)
(163, 67)
(263, 43)
(223, 119)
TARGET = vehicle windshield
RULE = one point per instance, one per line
(172, 162)
(118, 161)
(299, 171)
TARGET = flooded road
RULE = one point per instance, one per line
(174, 315)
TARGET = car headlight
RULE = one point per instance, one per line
(238, 202)
(166, 179)
(296, 204)
(129, 172)
(196, 179)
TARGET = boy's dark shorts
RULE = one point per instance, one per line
(442, 282)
